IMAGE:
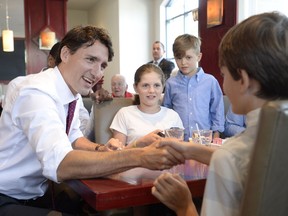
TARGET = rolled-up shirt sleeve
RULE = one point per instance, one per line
(43, 122)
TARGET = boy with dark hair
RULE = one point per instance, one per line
(253, 61)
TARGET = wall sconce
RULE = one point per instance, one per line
(214, 12)
(195, 14)
(47, 37)
(7, 35)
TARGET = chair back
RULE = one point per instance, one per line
(87, 102)
(103, 116)
(226, 104)
(266, 191)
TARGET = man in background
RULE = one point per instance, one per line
(158, 51)
(119, 87)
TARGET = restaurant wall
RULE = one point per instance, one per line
(212, 36)
(130, 24)
(105, 14)
(36, 18)
(133, 25)
(76, 18)
(136, 36)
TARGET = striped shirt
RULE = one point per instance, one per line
(228, 172)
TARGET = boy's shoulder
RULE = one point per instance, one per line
(209, 76)
(172, 79)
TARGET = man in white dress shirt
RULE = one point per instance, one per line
(34, 146)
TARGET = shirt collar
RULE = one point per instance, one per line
(159, 60)
(64, 91)
(252, 117)
(199, 74)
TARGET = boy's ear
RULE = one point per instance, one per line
(244, 81)
(199, 56)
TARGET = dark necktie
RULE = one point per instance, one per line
(71, 109)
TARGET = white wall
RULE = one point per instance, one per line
(76, 17)
(105, 14)
(135, 36)
(248, 8)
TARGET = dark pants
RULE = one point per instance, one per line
(59, 199)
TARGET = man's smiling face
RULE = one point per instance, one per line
(84, 68)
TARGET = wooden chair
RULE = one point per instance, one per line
(266, 191)
(103, 116)
(226, 107)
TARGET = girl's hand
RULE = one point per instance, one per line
(114, 144)
(149, 138)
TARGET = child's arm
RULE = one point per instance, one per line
(217, 110)
(167, 101)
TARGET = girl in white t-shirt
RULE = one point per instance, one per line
(139, 125)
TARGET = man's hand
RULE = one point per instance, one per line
(101, 95)
(156, 158)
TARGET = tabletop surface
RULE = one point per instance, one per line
(130, 188)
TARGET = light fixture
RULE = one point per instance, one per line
(195, 14)
(47, 36)
(7, 35)
(214, 13)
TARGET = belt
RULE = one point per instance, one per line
(5, 199)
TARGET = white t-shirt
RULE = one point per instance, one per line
(134, 123)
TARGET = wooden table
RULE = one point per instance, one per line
(110, 193)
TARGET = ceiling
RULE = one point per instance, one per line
(16, 13)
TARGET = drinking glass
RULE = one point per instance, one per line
(177, 133)
(203, 137)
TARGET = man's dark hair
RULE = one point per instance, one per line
(54, 50)
(85, 36)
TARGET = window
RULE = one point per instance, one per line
(248, 8)
(179, 20)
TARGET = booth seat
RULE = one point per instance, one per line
(103, 116)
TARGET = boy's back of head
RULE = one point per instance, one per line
(259, 45)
